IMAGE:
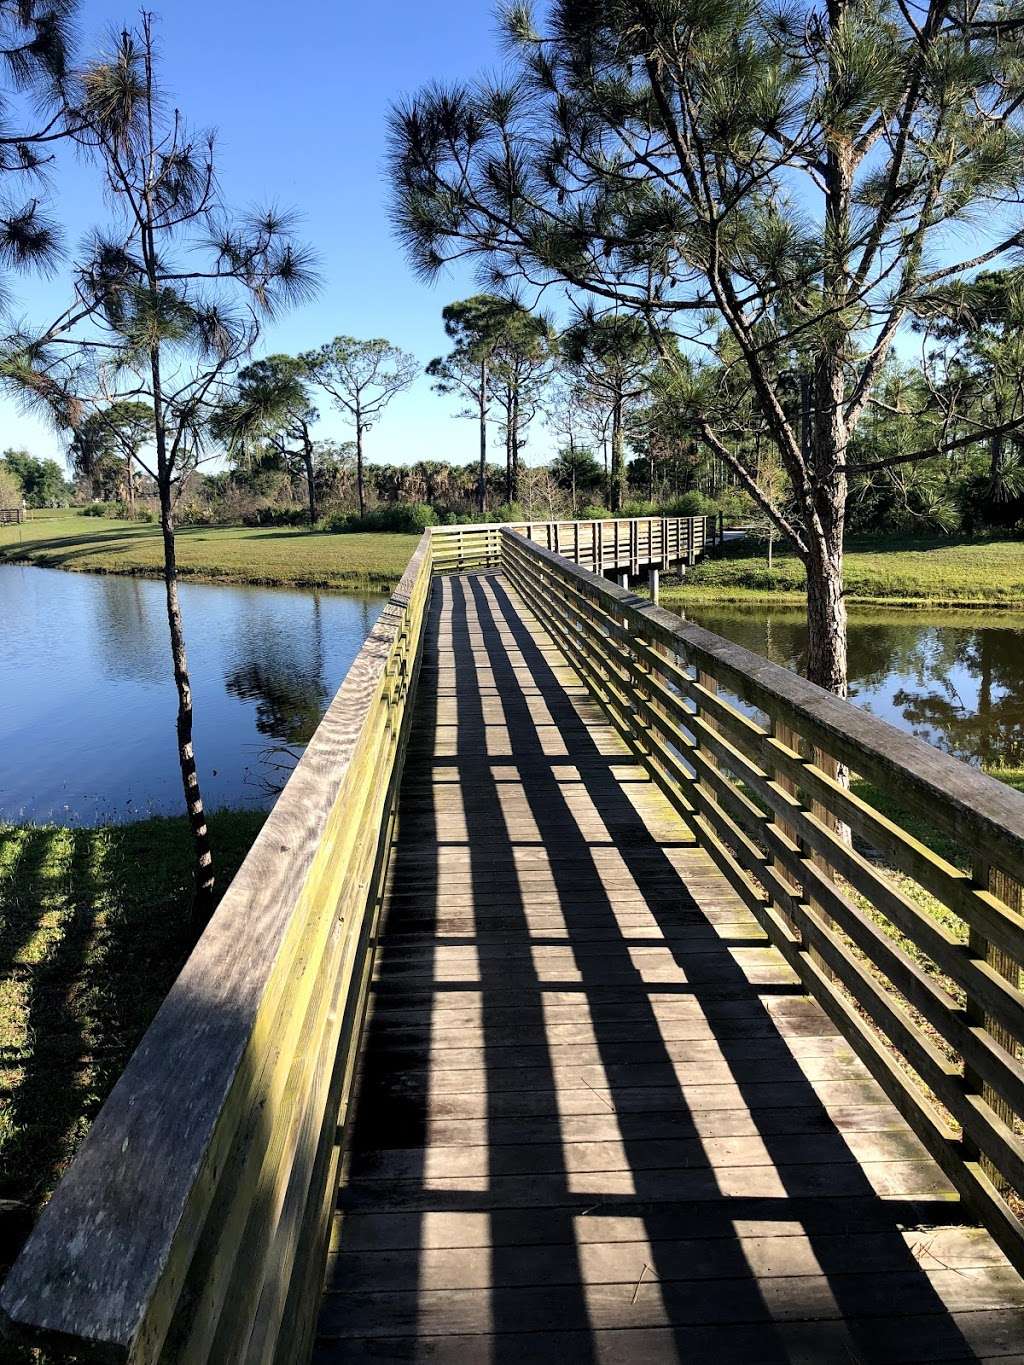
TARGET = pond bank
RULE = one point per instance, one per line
(266, 556)
(948, 571)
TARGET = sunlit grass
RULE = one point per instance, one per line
(223, 554)
(94, 927)
(947, 571)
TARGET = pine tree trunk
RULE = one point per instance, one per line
(360, 492)
(307, 460)
(482, 486)
(826, 618)
(826, 606)
(508, 444)
(514, 447)
(202, 905)
(618, 468)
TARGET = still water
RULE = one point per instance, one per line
(956, 679)
(87, 704)
(87, 700)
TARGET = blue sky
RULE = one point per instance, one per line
(299, 95)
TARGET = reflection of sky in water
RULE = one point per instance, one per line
(954, 679)
(87, 701)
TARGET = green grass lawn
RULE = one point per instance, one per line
(94, 927)
(944, 571)
(232, 554)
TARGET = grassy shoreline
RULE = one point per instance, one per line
(945, 573)
(753, 597)
(263, 556)
(939, 573)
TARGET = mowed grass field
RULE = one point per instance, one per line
(946, 571)
(219, 554)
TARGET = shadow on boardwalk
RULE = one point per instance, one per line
(598, 1120)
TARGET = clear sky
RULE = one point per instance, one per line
(299, 95)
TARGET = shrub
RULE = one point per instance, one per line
(398, 517)
(594, 512)
(636, 508)
(690, 504)
(276, 516)
(980, 509)
(113, 511)
(510, 511)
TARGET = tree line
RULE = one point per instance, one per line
(622, 433)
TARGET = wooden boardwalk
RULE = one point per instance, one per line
(597, 1118)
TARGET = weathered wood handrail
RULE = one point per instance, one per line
(938, 1021)
(626, 544)
(192, 1225)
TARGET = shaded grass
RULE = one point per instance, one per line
(217, 554)
(94, 928)
(946, 571)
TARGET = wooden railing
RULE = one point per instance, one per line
(193, 1224)
(932, 1004)
(624, 544)
(11, 516)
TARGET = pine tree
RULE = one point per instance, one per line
(779, 185)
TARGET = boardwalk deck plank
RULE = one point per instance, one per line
(597, 1119)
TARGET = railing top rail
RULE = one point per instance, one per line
(97, 1260)
(986, 812)
(547, 521)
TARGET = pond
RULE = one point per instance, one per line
(87, 699)
(956, 679)
(87, 704)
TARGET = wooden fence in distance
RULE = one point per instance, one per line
(623, 545)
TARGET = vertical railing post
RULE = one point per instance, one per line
(786, 735)
(1009, 968)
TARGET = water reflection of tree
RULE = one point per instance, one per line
(282, 670)
(990, 731)
(131, 628)
(960, 687)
